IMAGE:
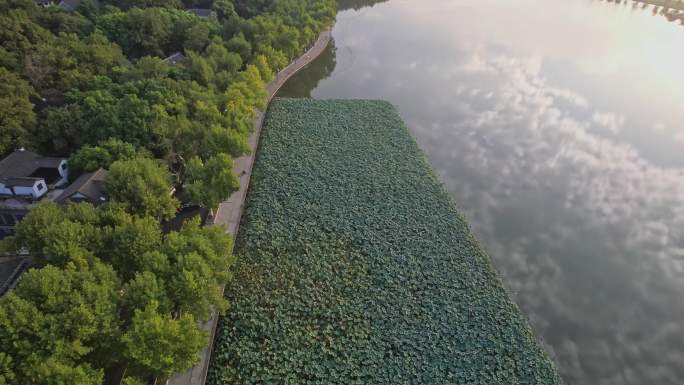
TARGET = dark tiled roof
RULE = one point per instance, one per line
(69, 5)
(20, 182)
(90, 184)
(23, 163)
(201, 12)
(10, 270)
(174, 59)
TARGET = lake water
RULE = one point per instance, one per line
(558, 127)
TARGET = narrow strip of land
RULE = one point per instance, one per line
(230, 211)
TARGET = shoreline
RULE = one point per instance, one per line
(229, 212)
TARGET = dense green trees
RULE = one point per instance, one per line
(16, 111)
(113, 292)
(208, 183)
(57, 318)
(161, 345)
(110, 289)
(143, 186)
(158, 31)
(90, 86)
(90, 158)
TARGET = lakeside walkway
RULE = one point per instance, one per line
(229, 212)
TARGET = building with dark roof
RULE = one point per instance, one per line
(89, 187)
(25, 179)
(44, 3)
(200, 12)
(28, 175)
(69, 5)
(11, 268)
(174, 59)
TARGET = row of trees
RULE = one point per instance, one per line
(112, 291)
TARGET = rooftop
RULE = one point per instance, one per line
(20, 182)
(90, 185)
(10, 270)
(69, 5)
(201, 12)
(174, 58)
(23, 163)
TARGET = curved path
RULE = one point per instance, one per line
(230, 211)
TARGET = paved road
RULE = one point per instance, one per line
(230, 211)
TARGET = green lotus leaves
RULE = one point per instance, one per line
(356, 268)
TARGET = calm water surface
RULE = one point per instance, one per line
(557, 126)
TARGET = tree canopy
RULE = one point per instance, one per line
(143, 186)
(208, 183)
(16, 111)
(109, 289)
(91, 158)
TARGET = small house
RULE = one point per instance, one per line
(26, 178)
(200, 12)
(174, 59)
(89, 187)
(69, 5)
(26, 174)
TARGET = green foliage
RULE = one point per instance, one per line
(157, 31)
(91, 158)
(133, 381)
(356, 268)
(211, 182)
(6, 372)
(139, 112)
(143, 186)
(162, 345)
(241, 46)
(30, 232)
(16, 111)
(244, 96)
(200, 260)
(111, 289)
(56, 20)
(149, 67)
(149, 3)
(66, 61)
(56, 318)
(265, 72)
(88, 308)
(19, 32)
(53, 371)
(165, 116)
(225, 11)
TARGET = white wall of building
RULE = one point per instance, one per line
(38, 189)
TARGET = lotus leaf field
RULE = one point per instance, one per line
(356, 268)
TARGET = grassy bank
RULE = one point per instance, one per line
(356, 268)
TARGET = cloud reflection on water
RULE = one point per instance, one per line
(556, 127)
(585, 232)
